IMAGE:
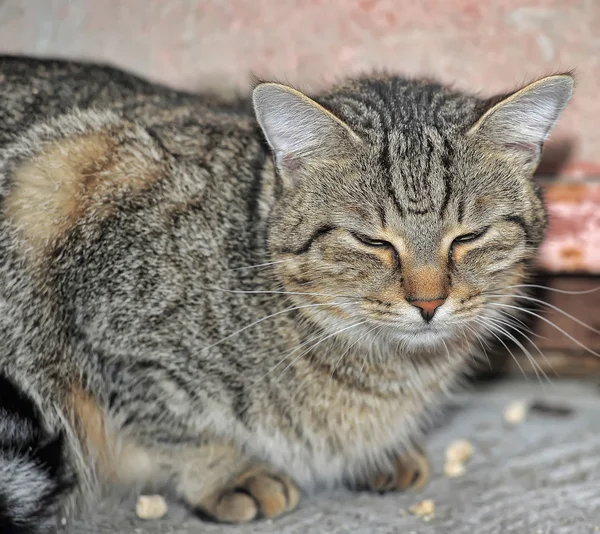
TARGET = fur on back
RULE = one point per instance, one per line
(177, 271)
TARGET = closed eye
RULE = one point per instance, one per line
(469, 238)
(371, 242)
(463, 240)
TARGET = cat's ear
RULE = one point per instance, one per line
(298, 129)
(520, 123)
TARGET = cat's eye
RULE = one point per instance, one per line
(468, 238)
(371, 242)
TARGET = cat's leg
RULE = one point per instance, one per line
(409, 470)
(214, 478)
(35, 479)
(217, 482)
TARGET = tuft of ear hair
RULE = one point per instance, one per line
(520, 123)
(296, 127)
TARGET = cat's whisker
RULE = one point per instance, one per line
(506, 321)
(553, 307)
(481, 341)
(352, 345)
(369, 355)
(541, 317)
(535, 365)
(317, 344)
(520, 325)
(555, 289)
(291, 351)
(468, 340)
(286, 310)
(276, 292)
(447, 350)
(530, 357)
(491, 331)
(267, 264)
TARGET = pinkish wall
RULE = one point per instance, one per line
(487, 46)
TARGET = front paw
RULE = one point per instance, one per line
(257, 493)
(409, 471)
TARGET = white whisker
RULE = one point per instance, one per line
(528, 354)
(288, 353)
(491, 331)
(286, 310)
(522, 310)
(481, 341)
(275, 292)
(258, 265)
(352, 345)
(555, 289)
(317, 344)
(553, 307)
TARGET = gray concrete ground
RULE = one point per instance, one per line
(542, 477)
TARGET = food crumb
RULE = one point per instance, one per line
(515, 413)
(459, 451)
(151, 507)
(454, 469)
(457, 454)
(424, 509)
(63, 521)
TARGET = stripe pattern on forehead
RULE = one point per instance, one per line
(408, 125)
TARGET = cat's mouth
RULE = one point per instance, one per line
(435, 333)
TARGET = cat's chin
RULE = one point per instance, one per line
(423, 339)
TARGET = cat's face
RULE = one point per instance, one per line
(404, 217)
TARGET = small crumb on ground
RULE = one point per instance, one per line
(424, 509)
(515, 413)
(459, 451)
(457, 454)
(454, 469)
(151, 507)
(63, 521)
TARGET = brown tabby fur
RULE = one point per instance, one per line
(183, 304)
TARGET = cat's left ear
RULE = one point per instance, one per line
(520, 123)
(299, 130)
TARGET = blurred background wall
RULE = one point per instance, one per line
(479, 45)
(483, 45)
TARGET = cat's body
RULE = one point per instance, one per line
(132, 314)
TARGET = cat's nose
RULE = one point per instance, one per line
(428, 307)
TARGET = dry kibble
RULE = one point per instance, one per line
(424, 509)
(151, 507)
(459, 451)
(515, 413)
(454, 469)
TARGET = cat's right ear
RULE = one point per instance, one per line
(299, 130)
(519, 124)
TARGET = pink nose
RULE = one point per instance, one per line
(428, 307)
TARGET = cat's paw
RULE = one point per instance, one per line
(410, 471)
(256, 494)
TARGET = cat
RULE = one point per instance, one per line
(244, 301)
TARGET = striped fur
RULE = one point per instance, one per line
(179, 308)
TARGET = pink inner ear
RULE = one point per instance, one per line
(290, 162)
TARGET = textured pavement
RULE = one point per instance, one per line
(542, 477)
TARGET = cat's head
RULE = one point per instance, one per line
(403, 205)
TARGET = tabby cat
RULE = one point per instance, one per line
(242, 301)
